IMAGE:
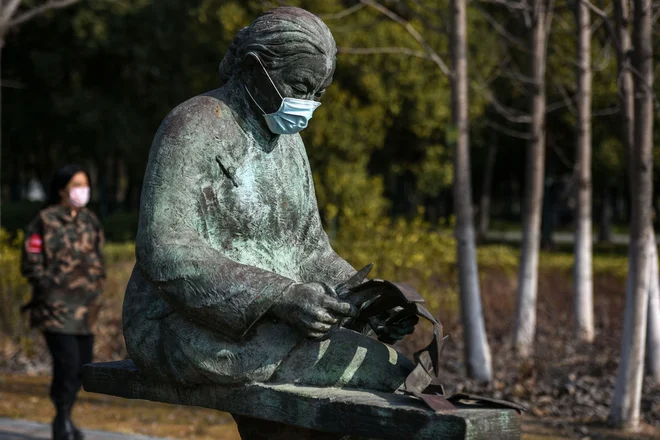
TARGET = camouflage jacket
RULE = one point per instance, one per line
(63, 260)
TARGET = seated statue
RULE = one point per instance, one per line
(235, 278)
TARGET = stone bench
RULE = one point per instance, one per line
(329, 410)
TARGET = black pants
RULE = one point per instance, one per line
(69, 353)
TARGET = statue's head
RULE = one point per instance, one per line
(291, 46)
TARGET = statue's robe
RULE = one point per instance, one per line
(227, 223)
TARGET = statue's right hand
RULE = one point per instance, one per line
(312, 308)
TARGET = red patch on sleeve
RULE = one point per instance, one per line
(35, 244)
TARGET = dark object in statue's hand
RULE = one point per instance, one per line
(389, 309)
(393, 325)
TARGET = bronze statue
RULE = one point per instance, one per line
(235, 278)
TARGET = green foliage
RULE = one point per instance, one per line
(609, 160)
(413, 252)
(115, 253)
(436, 171)
(405, 251)
(14, 290)
(110, 71)
(120, 226)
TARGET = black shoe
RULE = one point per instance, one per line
(77, 433)
(63, 429)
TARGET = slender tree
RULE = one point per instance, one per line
(13, 14)
(626, 400)
(533, 196)
(583, 295)
(625, 79)
(477, 350)
(653, 321)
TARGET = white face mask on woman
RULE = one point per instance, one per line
(79, 196)
(292, 116)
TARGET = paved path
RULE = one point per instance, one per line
(12, 429)
(558, 237)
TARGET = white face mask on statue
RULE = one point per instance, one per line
(292, 116)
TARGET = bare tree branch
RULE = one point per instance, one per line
(567, 100)
(509, 4)
(562, 158)
(647, 86)
(344, 13)
(596, 10)
(511, 115)
(605, 59)
(412, 31)
(564, 24)
(606, 19)
(436, 11)
(11, 84)
(502, 30)
(553, 106)
(351, 28)
(493, 74)
(548, 20)
(508, 131)
(384, 50)
(49, 5)
(8, 11)
(606, 111)
(516, 76)
(422, 17)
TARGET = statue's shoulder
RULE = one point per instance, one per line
(203, 115)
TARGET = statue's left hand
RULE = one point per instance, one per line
(393, 325)
(312, 308)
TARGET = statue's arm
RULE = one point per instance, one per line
(194, 278)
(321, 262)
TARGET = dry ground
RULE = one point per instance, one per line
(566, 386)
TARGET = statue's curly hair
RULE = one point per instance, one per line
(279, 37)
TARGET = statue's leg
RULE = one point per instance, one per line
(346, 359)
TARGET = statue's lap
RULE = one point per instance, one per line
(176, 349)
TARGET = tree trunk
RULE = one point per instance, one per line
(477, 350)
(583, 297)
(533, 201)
(484, 202)
(627, 394)
(625, 80)
(653, 320)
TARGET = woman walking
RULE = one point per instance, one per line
(63, 260)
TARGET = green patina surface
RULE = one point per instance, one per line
(230, 246)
